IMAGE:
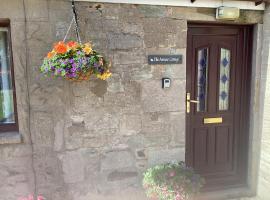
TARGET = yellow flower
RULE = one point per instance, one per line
(87, 48)
(105, 75)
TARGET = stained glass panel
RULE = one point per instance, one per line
(202, 79)
(224, 82)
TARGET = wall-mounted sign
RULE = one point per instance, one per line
(165, 59)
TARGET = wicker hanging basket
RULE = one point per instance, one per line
(81, 77)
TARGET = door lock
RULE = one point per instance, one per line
(188, 101)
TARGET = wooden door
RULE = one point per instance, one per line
(218, 77)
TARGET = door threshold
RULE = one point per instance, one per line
(226, 194)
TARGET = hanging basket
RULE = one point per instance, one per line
(75, 61)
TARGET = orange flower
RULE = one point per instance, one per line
(60, 48)
(50, 54)
(72, 44)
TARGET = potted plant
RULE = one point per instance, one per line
(172, 181)
(31, 197)
(75, 61)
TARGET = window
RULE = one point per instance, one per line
(8, 111)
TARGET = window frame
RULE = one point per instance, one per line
(14, 127)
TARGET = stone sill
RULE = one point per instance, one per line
(246, 5)
(10, 138)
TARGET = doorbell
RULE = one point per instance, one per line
(166, 83)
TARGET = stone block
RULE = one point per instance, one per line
(155, 124)
(95, 142)
(156, 99)
(162, 156)
(156, 40)
(138, 73)
(84, 104)
(206, 14)
(105, 118)
(177, 129)
(73, 166)
(163, 26)
(111, 11)
(115, 84)
(117, 160)
(132, 28)
(127, 58)
(37, 10)
(130, 124)
(72, 143)
(80, 89)
(48, 172)
(152, 11)
(10, 152)
(156, 141)
(124, 41)
(42, 127)
(121, 175)
(59, 135)
(12, 9)
(110, 25)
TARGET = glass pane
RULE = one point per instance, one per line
(6, 92)
(202, 79)
(224, 82)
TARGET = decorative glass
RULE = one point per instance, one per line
(224, 82)
(202, 79)
(6, 91)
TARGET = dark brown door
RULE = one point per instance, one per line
(218, 76)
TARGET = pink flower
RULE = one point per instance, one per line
(40, 198)
(30, 197)
(172, 174)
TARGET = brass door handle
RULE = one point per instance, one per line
(188, 101)
(194, 101)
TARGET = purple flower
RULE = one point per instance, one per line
(101, 70)
(71, 61)
(73, 75)
(52, 68)
(73, 69)
(96, 65)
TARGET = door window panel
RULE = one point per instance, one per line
(202, 79)
(224, 81)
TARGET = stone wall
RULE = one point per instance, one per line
(264, 176)
(93, 140)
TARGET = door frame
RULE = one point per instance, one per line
(245, 93)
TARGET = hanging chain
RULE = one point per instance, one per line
(76, 22)
(71, 23)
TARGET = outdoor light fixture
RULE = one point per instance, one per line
(227, 13)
